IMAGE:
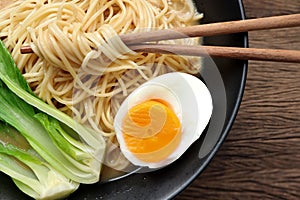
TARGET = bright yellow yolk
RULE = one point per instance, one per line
(151, 131)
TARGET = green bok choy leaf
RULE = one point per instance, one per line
(69, 148)
(12, 77)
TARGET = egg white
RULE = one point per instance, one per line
(190, 100)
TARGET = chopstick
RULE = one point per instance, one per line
(277, 55)
(136, 41)
(213, 29)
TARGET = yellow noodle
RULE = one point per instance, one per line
(80, 64)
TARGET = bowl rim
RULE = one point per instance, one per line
(228, 125)
(232, 118)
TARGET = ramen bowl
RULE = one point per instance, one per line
(225, 79)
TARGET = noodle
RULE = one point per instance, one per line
(80, 64)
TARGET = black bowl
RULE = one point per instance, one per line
(225, 79)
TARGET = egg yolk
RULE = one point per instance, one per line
(151, 131)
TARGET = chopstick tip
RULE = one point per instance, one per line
(26, 49)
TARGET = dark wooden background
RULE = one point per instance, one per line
(260, 158)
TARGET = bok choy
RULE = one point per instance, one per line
(12, 77)
(68, 148)
(29, 171)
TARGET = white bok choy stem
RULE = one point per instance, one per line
(29, 171)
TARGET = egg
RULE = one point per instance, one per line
(159, 120)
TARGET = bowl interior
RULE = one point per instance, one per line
(226, 92)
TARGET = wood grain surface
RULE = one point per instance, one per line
(260, 158)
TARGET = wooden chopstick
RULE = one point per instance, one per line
(278, 55)
(136, 41)
(219, 28)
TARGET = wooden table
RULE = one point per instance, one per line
(260, 159)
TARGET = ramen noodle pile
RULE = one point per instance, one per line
(80, 65)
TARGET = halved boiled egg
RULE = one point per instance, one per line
(158, 122)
